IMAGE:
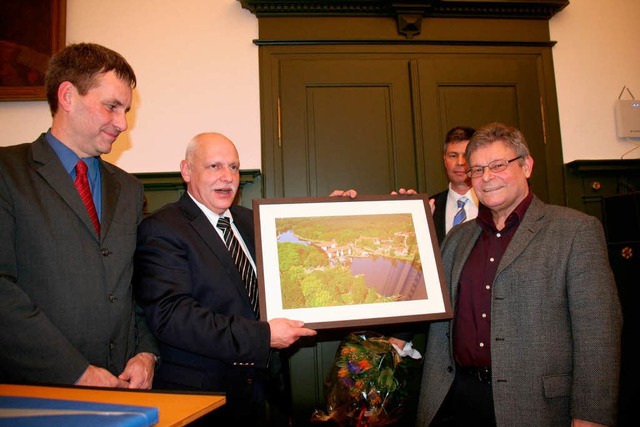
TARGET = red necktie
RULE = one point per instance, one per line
(82, 184)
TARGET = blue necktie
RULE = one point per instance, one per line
(461, 215)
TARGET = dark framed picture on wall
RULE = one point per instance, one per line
(336, 262)
(30, 32)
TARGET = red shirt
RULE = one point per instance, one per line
(472, 317)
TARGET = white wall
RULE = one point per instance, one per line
(197, 71)
(597, 54)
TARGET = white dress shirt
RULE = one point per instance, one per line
(213, 219)
(471, 207)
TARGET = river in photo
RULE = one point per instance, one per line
(289, 237)
(389, 276)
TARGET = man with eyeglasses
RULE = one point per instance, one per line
(535, 338)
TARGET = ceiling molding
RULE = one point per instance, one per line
(411, 11)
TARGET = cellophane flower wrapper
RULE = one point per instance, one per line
(367, 383)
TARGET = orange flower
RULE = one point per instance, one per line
(364, 365)
(347, 350)
(343, 373)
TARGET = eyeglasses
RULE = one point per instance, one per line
(495, 166)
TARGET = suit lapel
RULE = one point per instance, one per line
(246, 231)
(110, 194)
(527, 230)
(211, 238)
(463, 248)
(439, 214)
(50, 168)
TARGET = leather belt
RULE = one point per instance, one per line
(480, 373)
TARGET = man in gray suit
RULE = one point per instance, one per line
(66, 302)
(535, 338)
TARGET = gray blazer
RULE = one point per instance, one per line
(65, 296)
(555, 328)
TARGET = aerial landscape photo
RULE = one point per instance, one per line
(347, 260)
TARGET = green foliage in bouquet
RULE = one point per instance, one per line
(367, 383)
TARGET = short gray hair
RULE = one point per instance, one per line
(495, 131)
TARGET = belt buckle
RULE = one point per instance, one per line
(484, 375)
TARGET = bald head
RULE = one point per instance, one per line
(202, 139)
(211, 169)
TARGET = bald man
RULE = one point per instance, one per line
(194, 297)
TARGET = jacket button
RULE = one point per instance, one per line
(449, 369)
(104, 252)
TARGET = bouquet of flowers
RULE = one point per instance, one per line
(367, 383)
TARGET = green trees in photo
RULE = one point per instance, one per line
(308, 276)
(308, 280)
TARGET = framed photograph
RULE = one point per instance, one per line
(31, 31)
(337, 262)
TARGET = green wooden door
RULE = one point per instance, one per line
(345, 123)
(475, 89)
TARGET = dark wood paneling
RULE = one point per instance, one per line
(588, 181)
(473, 89)
(345, 123)
(161, 188)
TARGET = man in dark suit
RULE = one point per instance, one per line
(194, 296)
(66, 303)
(535, 338)
(445, 204)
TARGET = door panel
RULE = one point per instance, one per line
(360, 127)
(346, 124)
(479, 104)
(472, 90)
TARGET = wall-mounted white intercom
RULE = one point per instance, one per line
(628, 118)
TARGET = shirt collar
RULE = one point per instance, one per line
(68, 157)
(485, 217)
(211, 215)
(470, 195)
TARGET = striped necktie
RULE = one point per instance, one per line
(82, 184)
(461, 215)
(241, 261)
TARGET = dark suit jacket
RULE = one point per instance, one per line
(439, 214)
(65, 294)
(555, 323)
(196, 302)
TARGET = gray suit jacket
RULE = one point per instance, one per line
(65, 295)
(555, 328)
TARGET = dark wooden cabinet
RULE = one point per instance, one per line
(610, 191)
(589, 181)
